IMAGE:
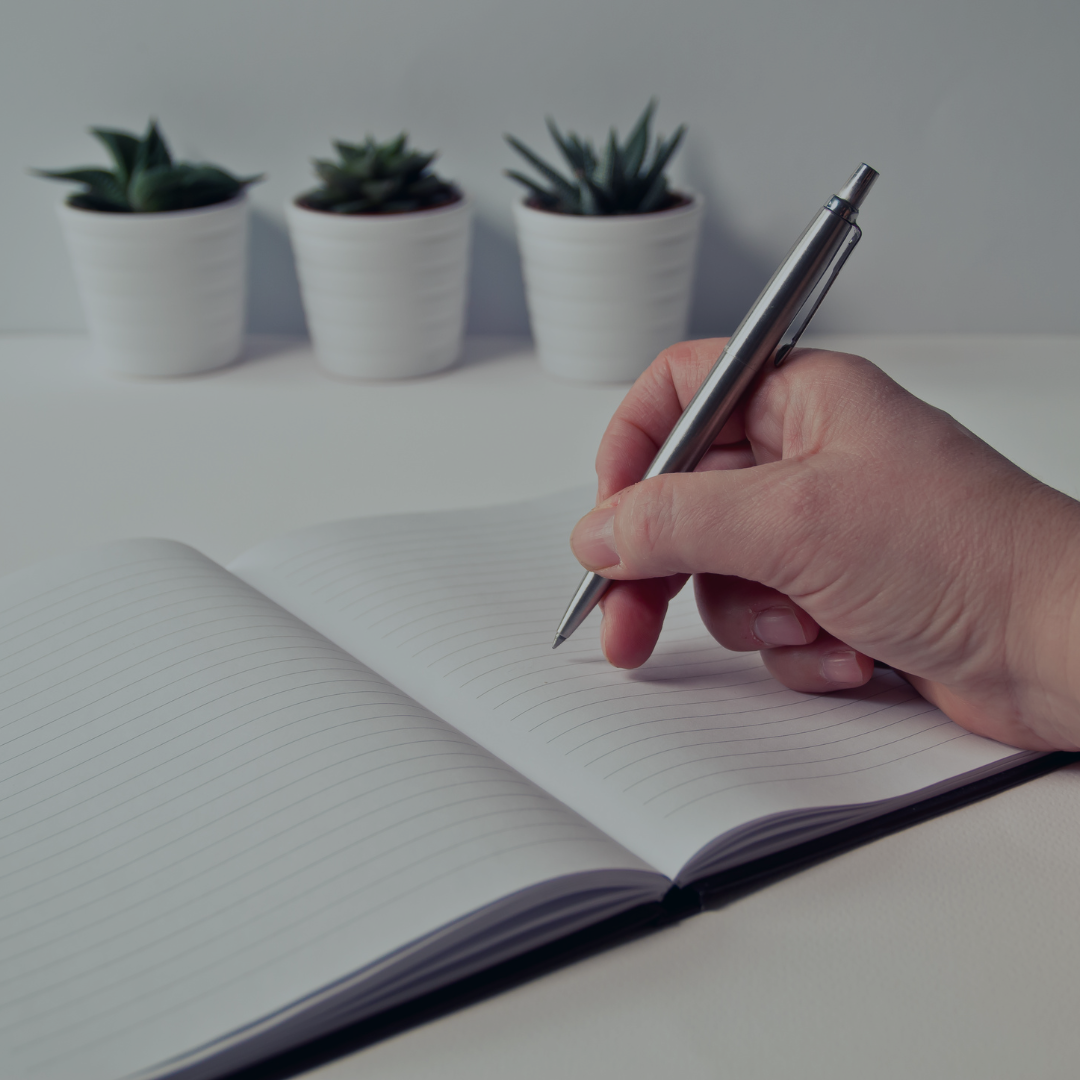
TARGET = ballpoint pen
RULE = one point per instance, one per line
(799, 285)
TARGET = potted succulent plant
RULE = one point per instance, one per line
(159, 251)
(607, 253)
(382, 253)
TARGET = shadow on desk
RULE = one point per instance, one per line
(266, 346)
(710, 894)
(476, 352)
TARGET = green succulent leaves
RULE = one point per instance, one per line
(622, 179)
(145, 179)
(378, 178)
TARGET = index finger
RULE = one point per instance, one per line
(650, 410)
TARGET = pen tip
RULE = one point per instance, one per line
(854, 191)
(559, 639)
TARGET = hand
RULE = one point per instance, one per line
(871, 525)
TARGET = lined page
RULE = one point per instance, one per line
(207, 811)
(459, 609)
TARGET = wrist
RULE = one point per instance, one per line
(1012, 672)
(1043, 632)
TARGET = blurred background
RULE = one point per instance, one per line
(969, 109)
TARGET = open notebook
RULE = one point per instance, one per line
(244, 807)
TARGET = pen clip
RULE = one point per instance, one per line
(849, 245)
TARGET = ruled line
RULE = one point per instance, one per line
(458, 610)
(198, 783)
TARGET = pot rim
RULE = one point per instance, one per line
(694, 202)
(404, 215)
(152, 215)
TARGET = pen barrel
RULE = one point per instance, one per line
(755, 341)
(790, 291)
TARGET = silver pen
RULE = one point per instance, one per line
(799, 285)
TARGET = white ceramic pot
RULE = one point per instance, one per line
(606, 294)
(163, 293)
(384, 294)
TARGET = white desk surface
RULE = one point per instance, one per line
(949, 950)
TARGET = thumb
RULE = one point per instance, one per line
(744, 522)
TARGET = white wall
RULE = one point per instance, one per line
(969, 109)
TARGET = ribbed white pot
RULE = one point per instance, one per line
(606, 294)
(384, 294)
(163, 293)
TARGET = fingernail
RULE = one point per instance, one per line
(841, 667)
(779, 626)
(593, 539)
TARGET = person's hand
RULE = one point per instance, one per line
(871, 525)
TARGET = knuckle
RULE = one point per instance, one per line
(685, 364)
(800, 508)
(803, 502)
(824, 378)
(675, 355)
(648, 527)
